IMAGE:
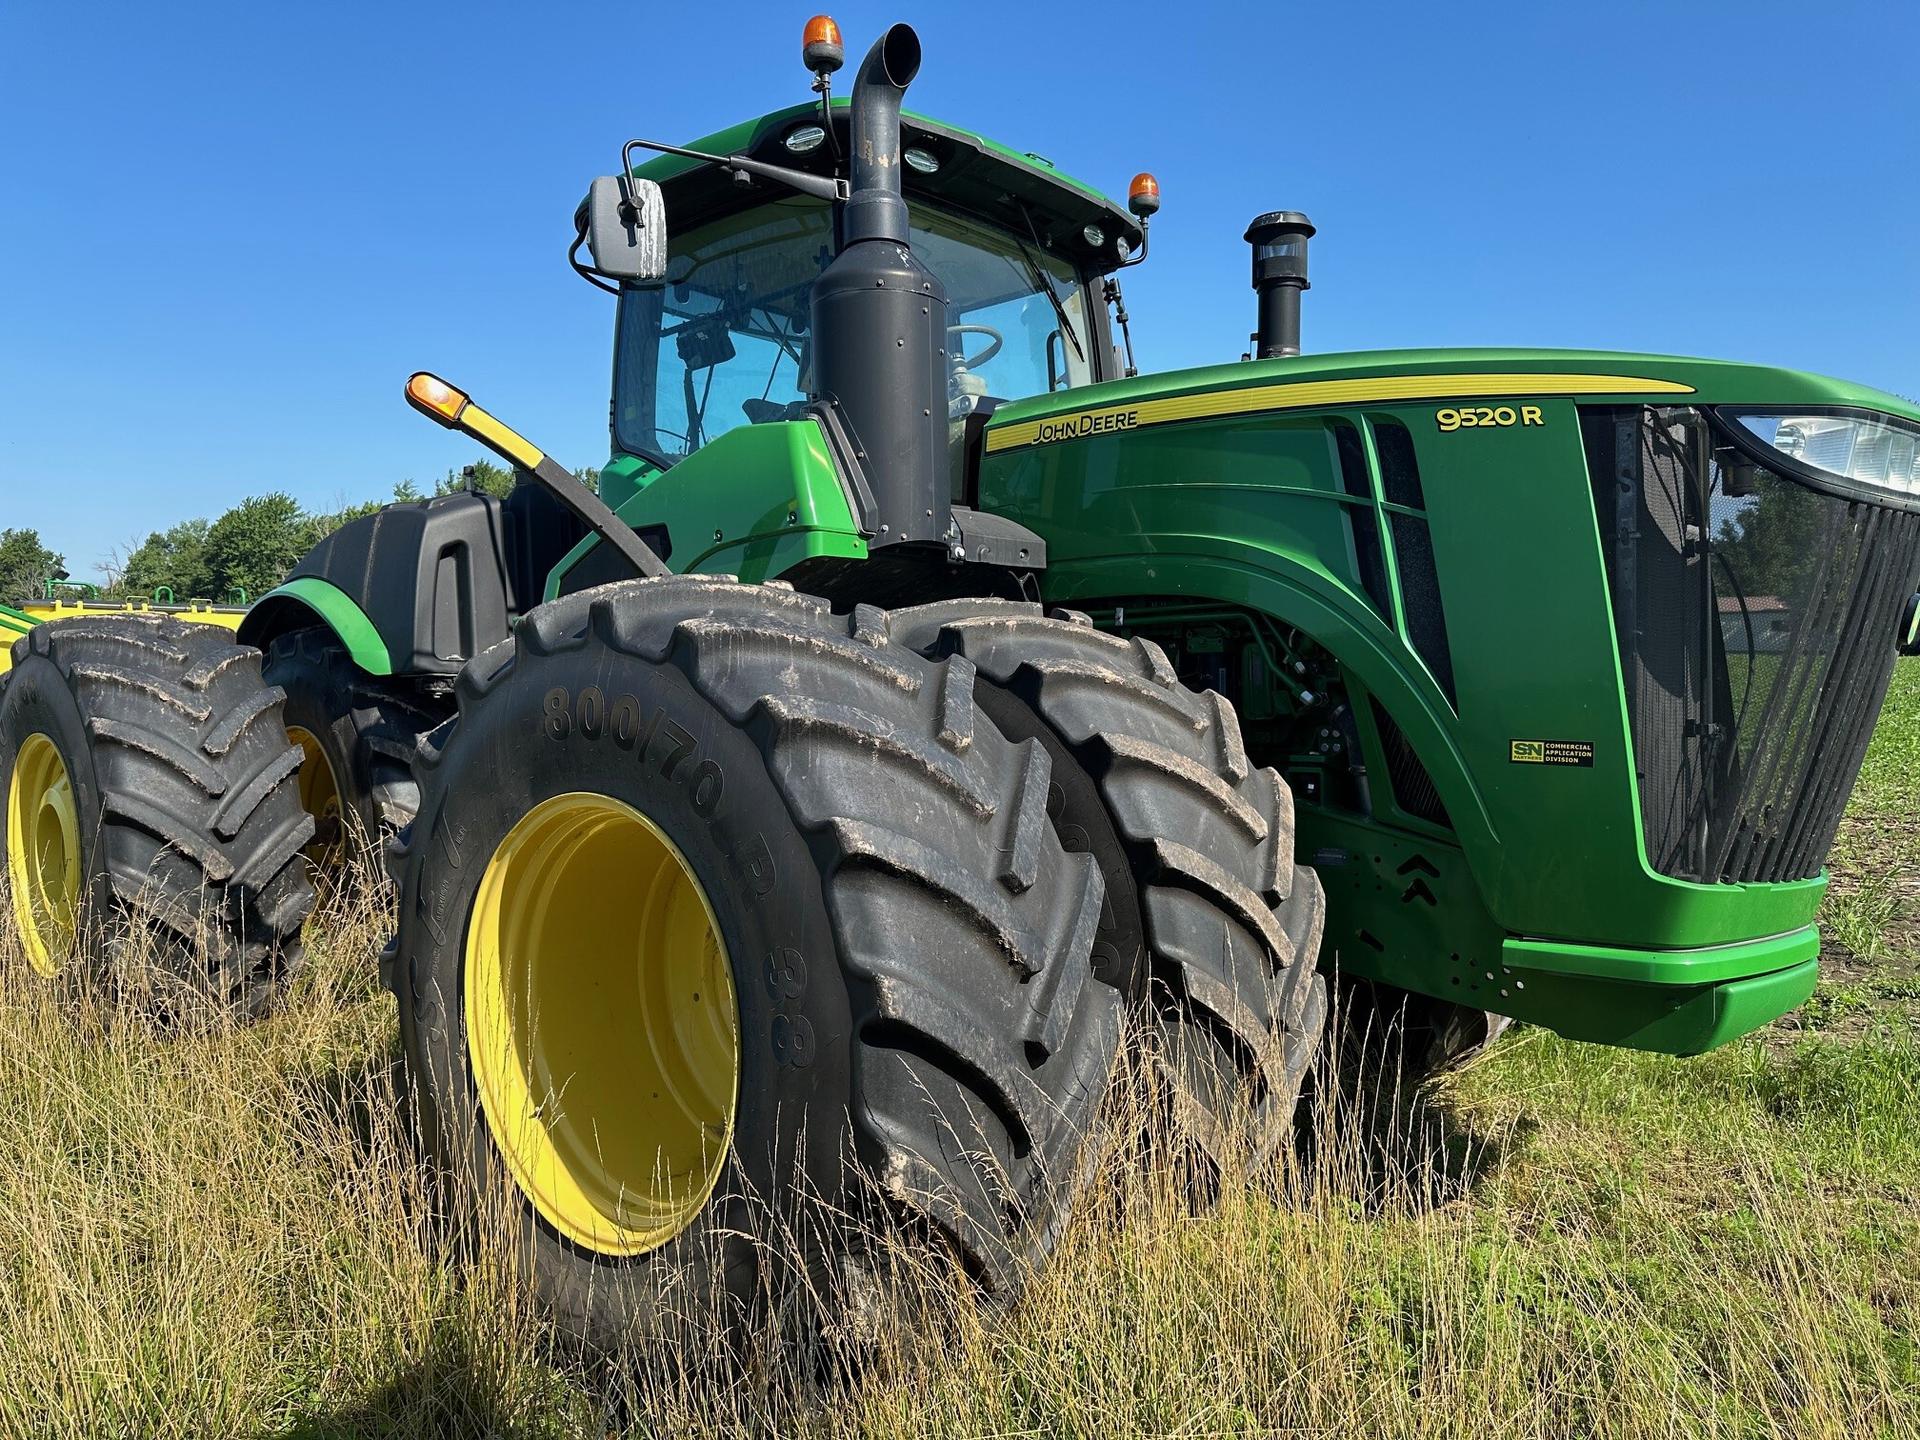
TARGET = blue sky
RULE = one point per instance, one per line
(229, 232)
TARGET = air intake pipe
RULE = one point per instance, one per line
(880, 318)
(1279, 240)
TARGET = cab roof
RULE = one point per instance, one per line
(1023, 193)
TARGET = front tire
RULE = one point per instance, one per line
(1210, 923)
(916, 1040)
(357, 737)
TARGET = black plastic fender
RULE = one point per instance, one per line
(440, 579)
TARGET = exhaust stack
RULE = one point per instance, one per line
(880, 318)
(875, 210)
(1279, 240)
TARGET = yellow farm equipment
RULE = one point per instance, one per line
(17, 620)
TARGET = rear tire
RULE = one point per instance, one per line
(1210, 924)
(919, 1044)
(358, 736)
(180, 797)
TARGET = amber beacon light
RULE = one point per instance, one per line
(820, 46)
(1143, 195)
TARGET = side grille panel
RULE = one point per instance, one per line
(1668, 668)
(1412, 783)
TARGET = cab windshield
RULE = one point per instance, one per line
(725, 341)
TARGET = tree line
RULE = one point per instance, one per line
(248, 550)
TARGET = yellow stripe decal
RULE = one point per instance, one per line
(498, 438)
(1372, 389)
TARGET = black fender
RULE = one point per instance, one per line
(436, 581)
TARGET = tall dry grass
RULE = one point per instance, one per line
(227, 1234)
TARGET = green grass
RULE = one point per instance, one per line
(224, 1236)
(1872, 916)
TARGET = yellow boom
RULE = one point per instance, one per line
(16, 620)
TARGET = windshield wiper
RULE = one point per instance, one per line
(1045, 286)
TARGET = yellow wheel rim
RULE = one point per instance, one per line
(319, 797)
(601, 1027)
(43, 853)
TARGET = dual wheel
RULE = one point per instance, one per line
(169, 802)
(736, 934)
(152, 826)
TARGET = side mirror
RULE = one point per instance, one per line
(627, 229)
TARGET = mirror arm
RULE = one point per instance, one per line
(587, 272)
(821, 187)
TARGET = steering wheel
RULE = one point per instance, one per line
(974, 362)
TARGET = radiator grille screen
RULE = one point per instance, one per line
(1757, 620)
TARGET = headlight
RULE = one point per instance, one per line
(805, 139)
(1858, 449)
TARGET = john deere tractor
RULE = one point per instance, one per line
(788, 827)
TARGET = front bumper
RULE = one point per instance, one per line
(1679, 1002)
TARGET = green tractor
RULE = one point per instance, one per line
(923, 692)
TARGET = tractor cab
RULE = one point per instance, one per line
(1022, 251)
